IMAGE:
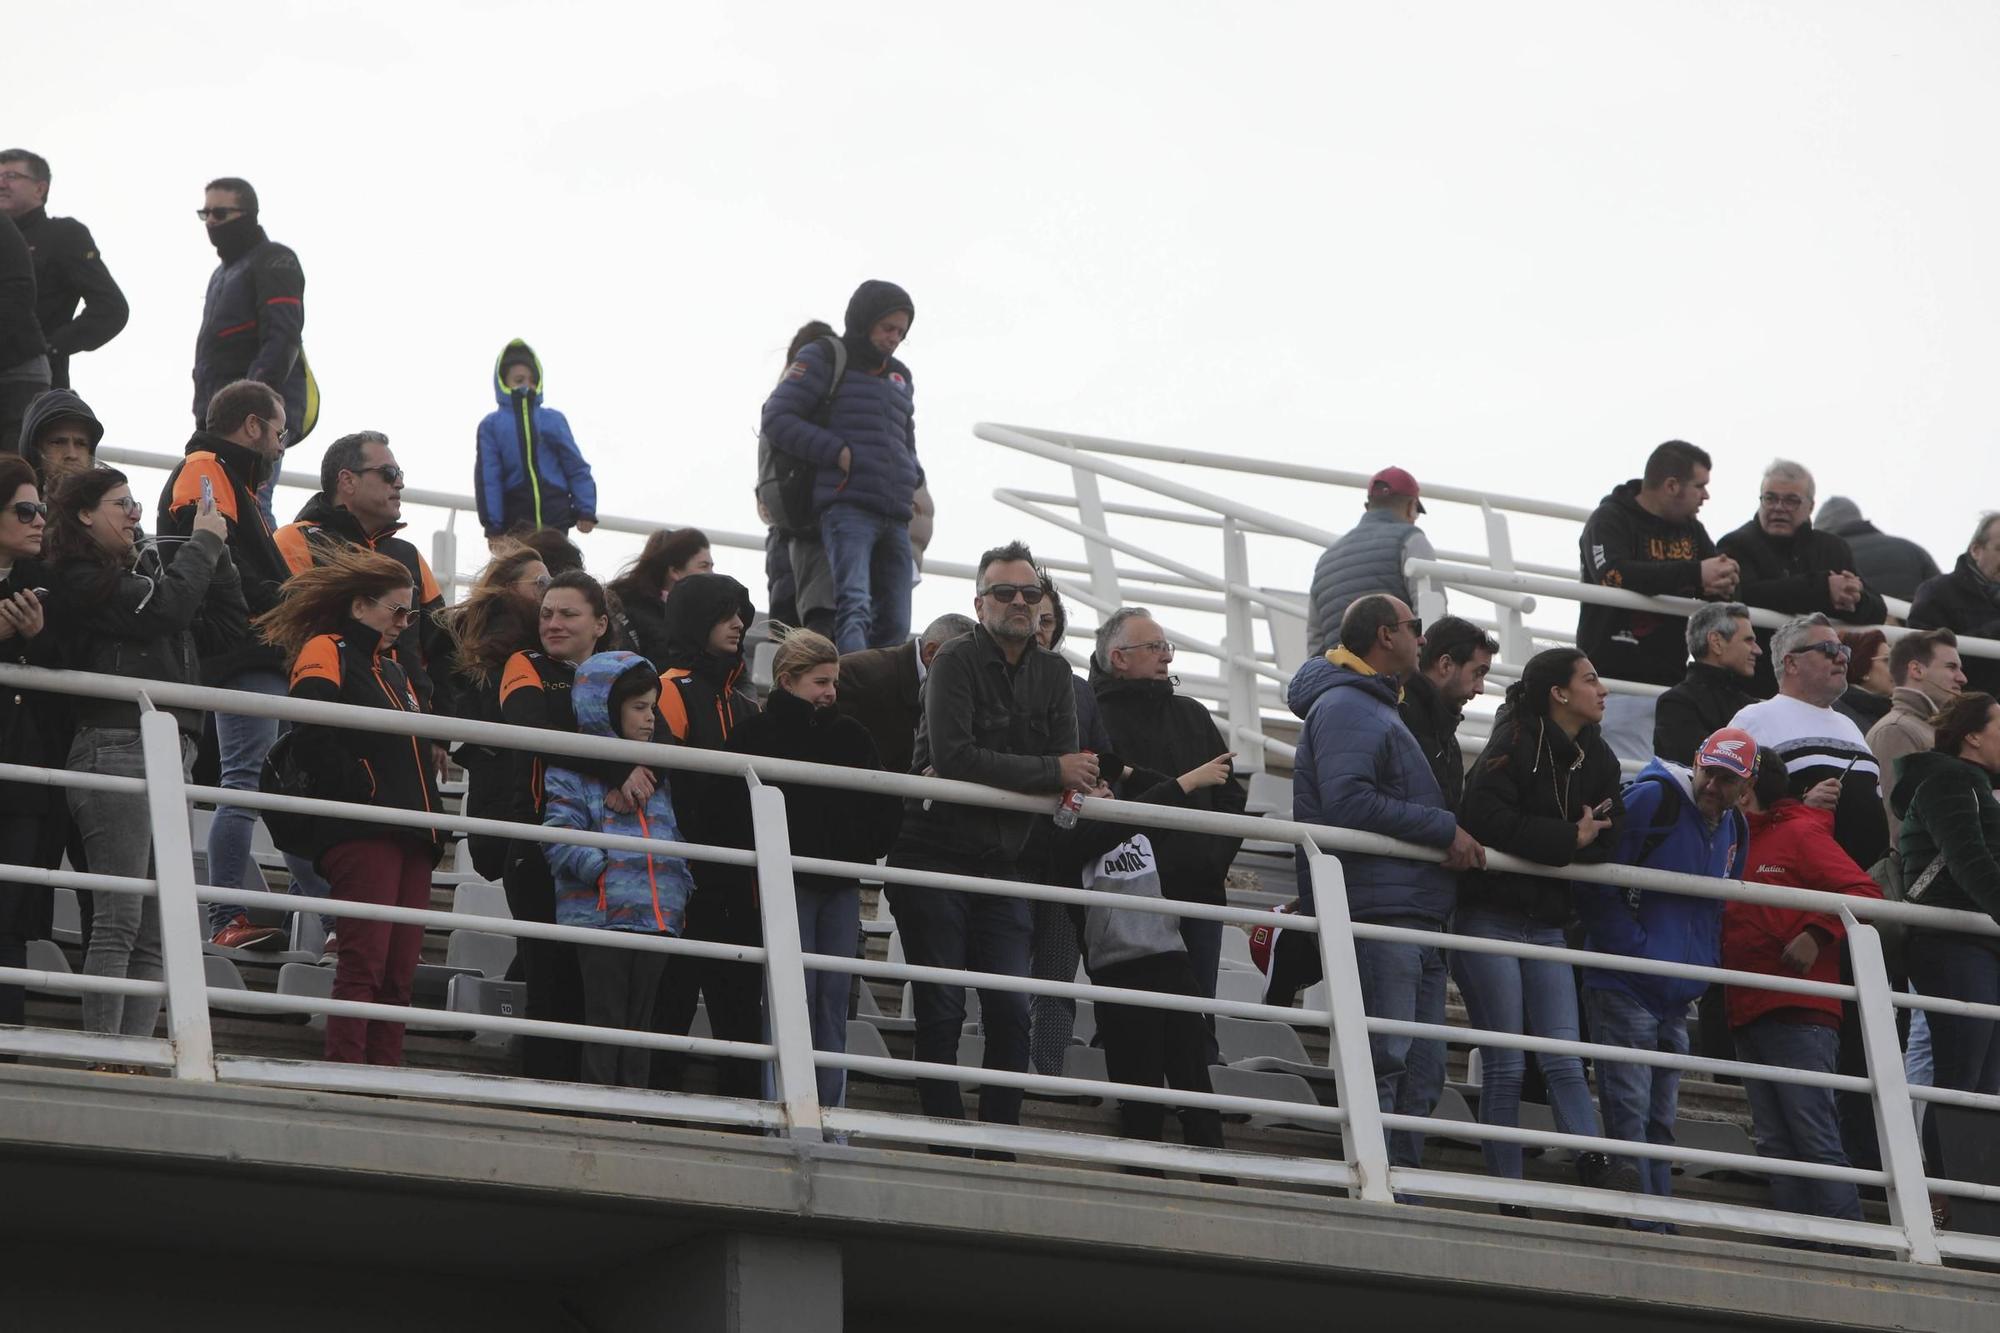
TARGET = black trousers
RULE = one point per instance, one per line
(1150, 1048)
(27, 911)
(1295, 965)
(733, 992)
(549, 968)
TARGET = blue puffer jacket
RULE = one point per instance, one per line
(874, 415)
(604, 889)
(530, 472)
(1359, 767)
(1670, 927)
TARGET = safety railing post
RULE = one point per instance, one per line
(1239, 640)
(181, 932)
(1895, 1121)
(1090, 512)
(444, 558)
(785, 1011)
(1362, 1138)
(1516, 645)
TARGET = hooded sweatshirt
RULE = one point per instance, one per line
(530, 473)
(710, 694)
(873, 416)
(49, 408)
(1524, 797)
(612, 890)
(1791, 844)
(1624, 546)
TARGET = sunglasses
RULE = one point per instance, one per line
(27, 511)
(222, 214)
(1416, 626)
(1839, 652)
(540, 581)
(404, 613)
(1031, 593)
(390, 472)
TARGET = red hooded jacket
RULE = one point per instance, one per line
(1791, 845)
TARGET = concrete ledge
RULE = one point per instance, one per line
(470, 1190)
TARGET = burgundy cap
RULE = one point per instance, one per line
(1395, 481)
(1731, 749)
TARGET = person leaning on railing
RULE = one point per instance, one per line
(496, 619)
(1545, 790)
(335, 627)
(33, 729)
(120, 614)
(1951, 833)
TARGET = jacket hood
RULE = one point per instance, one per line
(501, 393)
(1836, 513)
(698, 603)
(1336, 669)
(872, 300)
(1923, 765)
(52, 406)
(1677, 774)
(1789, 812)
(590, 692)
(1626, 494)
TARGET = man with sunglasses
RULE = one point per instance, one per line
(1789, 565)
(998, 710)
(253, 318)
(231, 458)
(360, 503)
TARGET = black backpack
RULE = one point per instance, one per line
(785, 481)
(283, 775)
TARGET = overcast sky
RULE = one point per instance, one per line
(1506, 246)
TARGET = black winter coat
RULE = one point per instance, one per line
(1623, 546)
(253, 327)
(20, 334)
(234, 472)
(1948, 810)
(1967, 604)
(1435, 725)
(1789, 574)
(34, 728)
(642, 615)
(68, 269)
(1692, 711)
(1156, 730)
(1523, 797)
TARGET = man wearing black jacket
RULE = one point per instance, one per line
(1155, 729)
(1717, 684)
(1451, 672)
(24, 366)
(1967, 601)
(883, 688)
(998, 710)
(1790, 566)
(1645, 538)
(239, 448)
(68, 267)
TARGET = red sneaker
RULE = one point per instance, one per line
(240, 934)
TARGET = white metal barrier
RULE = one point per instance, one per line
(1362, 1166)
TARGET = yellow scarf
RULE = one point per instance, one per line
(1339, 656)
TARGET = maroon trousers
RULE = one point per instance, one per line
(378, 959)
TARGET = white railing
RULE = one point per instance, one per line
(1362, 1167)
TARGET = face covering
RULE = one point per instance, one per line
(235, 238)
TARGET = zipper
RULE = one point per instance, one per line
(528, 454)
(652, 880)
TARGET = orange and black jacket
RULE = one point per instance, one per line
(380, 768)
(704, 696)
(321, 525)
(234, 472)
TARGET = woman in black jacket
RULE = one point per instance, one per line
(1546, 789)
(639, 594)
(119, 613)
(336, 625)
(798, 722)
(31, 729)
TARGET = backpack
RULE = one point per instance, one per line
(283, 775)
(1665, 819)
(785, 481)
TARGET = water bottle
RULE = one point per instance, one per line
(1072, 802)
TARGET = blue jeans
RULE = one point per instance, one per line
(1527, 996)
(1639, 1101)
(1404, 982)
(829, 923)
(1965, 1052)
(1795, 1123)
(981, 933)
(872, 571)
(242, 743)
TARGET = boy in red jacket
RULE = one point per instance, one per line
(1791, 844)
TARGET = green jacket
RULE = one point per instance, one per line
(1947, 807)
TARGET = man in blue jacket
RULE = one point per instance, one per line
(1679, 820)
(530, 474)
(1358, 767)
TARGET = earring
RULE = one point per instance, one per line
(1562, 698)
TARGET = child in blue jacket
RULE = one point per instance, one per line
(616, 694)
(530, 474)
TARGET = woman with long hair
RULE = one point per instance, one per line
(497, 619)
(1951, 858)
(640, 592)
(122, 614)
(833, 823)
(334, 625)
(1545, 789)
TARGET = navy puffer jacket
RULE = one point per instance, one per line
(874, 415)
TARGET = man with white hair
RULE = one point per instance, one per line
(1789, 565)
(1717, 685)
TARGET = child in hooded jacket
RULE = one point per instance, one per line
(616, 695)
(529, 474)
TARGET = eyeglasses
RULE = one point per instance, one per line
(284, 433)
(1031, 593)
(1839, 652)
(11, 176)
(1150, 645)
(128, 504)
(390, 472)
(540, 582)
(1773, 500)
(404, 613)
(220, 214)
(27, 511)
